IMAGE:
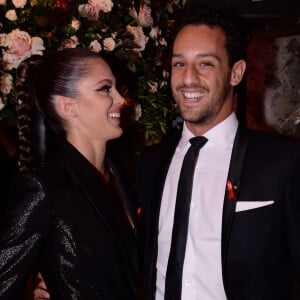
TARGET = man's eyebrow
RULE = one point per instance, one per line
(201, 55)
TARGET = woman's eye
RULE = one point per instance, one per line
(105, 88)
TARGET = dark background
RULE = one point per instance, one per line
(273, 8)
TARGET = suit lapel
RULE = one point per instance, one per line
(162, 163)
(232, 190)
(124, 193)
(93, 188)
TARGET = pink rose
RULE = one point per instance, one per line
(139, 38)
(91, 9)
(144, 17)
(75, 24)
(19, 3)
(11, 15)
(109, 44)
(88, 11)
(104, 5)
(18, 43)
(154, 33)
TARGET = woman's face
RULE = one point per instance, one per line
(98, 104)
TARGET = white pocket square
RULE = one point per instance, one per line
(246, 205)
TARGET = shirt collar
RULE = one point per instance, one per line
(222, 134)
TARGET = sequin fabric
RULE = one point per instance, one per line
(65, 220)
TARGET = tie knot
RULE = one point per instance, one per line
(198, 141)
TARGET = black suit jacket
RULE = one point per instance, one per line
(261, 246)
(65, 218)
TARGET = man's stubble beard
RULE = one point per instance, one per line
(207, 116)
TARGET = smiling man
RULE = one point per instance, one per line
(243, 226)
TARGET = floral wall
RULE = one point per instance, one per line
(132, 35)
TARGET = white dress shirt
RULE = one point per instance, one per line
(202, 270)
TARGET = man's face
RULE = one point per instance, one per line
(201, 76)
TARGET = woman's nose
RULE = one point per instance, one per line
(118, 99)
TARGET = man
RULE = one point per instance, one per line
(243, 238)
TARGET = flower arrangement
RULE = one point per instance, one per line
(132, 34)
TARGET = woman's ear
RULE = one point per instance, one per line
(66, 107)
(237, 72)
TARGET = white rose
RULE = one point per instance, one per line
(11, 15)
(109, 44)
(75, 24)
(6, 83)
(19, 3)
(95, 46)
(37, 45)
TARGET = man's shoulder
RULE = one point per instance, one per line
(273, 143)
(262, 136)
(167, 145)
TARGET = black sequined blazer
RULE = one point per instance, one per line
(80, 231)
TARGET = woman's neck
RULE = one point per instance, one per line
(93, 151)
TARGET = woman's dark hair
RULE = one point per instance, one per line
(39, 80)
(233, 26)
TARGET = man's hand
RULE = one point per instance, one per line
(40, 292)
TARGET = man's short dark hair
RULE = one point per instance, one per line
(232, 24)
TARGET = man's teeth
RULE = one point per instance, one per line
(193, 95)
(114, 115)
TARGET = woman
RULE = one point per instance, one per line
(73, 215)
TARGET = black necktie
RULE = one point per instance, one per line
(181, 220)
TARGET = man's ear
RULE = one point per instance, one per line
(237, 72)
(66, 106)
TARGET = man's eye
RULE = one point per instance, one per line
(177, 64)
(205, 64)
